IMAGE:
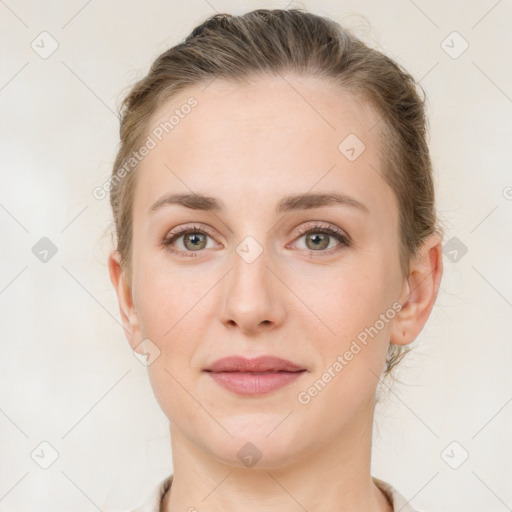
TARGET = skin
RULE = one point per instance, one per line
(250, 146)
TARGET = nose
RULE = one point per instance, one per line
(253, 296)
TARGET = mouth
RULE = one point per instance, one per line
(262, 364)
(253, 377)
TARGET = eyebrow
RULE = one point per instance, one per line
(305, 201)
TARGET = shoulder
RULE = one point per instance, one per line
(151, 503)
(397, 500)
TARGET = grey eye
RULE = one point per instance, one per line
(194, 241)
(315, 241)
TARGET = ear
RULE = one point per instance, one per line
(419, 292)
(129, 316)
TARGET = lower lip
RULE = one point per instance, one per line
(253, 384)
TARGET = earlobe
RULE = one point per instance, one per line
(129, 317)
(419, 292)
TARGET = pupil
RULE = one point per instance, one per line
(318, 240)
(194, 240)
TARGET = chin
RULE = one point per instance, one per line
(263, 454)
(259, 441)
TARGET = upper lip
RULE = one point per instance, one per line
(258, 364)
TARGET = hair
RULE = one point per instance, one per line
(267, 42)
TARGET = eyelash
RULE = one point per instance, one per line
(315, 228)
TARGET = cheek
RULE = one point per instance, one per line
(162, 294)
(168, 307)
(347, 298)
(353, 358)
(357, 306)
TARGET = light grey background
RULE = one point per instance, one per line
(68, 376)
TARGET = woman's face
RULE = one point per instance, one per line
(250, 272)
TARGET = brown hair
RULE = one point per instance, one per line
(237, 48)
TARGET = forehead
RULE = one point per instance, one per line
(275, 135)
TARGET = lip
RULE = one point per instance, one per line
(258, 364)
(253, 377)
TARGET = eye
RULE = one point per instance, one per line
(318, 237)
(194, 239)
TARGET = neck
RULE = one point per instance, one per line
(333, 477)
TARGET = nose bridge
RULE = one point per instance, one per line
(251, 291)
(250, 260)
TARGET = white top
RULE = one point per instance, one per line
(153, 500)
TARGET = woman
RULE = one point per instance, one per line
(277, 250)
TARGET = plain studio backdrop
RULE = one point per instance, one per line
(80, 428)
